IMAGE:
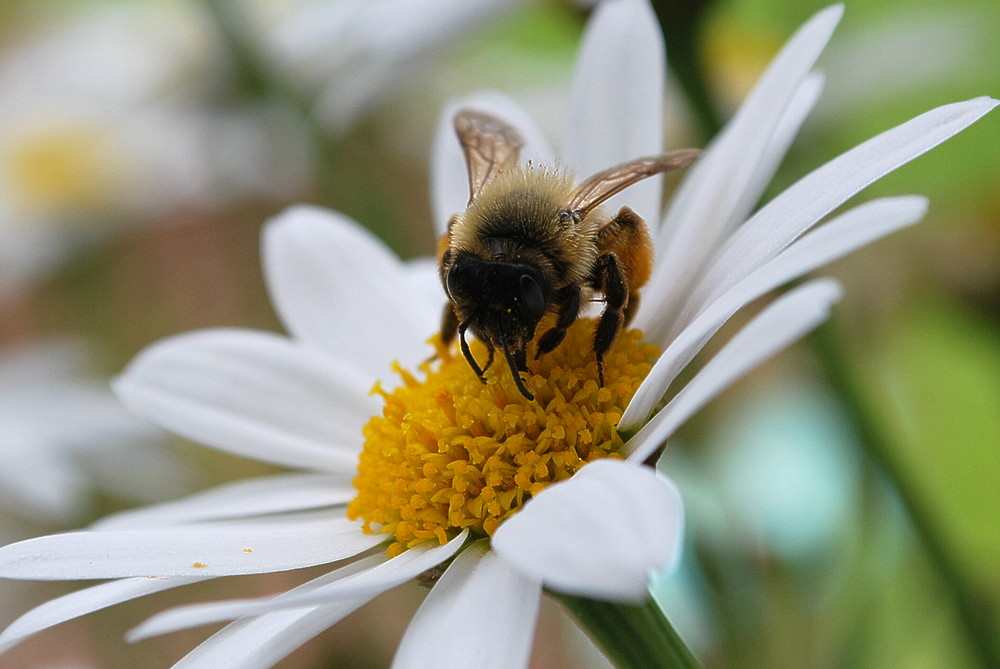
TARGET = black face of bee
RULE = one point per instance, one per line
(500, 302)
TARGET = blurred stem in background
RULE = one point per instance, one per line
(682, 23)
(972, 612)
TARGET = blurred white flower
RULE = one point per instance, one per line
(352, 307)
(351, 55)
(64, 436)
(107, 117)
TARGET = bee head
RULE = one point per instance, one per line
(500, 302)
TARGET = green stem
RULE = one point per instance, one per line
(632, 637)
(975, 624)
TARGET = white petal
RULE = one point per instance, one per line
(422, 275)
(253, 497)
(795, 115)
(449, 179)
(598, 534)
(342, 290)
(799, 207)
(263, 640)
(715, 187)
(366, 580)
(258, 643)
(254, 394)
(195, 615)
(616, 107)
(782, 323)
(288, 541)
(481, 613)
(85, 601)
(846, 233)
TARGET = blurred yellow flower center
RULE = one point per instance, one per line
(449, 452)
(62, 168)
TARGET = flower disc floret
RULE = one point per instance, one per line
(450, 452)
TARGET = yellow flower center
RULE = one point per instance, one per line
(450, 453)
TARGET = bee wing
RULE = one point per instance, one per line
(489, 145)
(606, 183)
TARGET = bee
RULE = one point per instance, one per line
(531, 242)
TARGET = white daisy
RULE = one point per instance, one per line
(107, 118)
(350, 55)
(485, 516)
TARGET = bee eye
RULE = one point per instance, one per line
(453, 280)
(532, 296)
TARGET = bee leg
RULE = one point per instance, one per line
(569, 309)
(609, 279)
(449, 324)
(468, 353)
(518, 364)
(624, 265)
(489, 358)
(631, 307)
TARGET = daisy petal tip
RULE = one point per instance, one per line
(10, 638)
(158, 624)
(599, 534)
(834, 10)
(821, 294)
(120, 383)
(827, 19)
(912, 207)
(133, 380)
(976, 108)
(300, 220)
(989, 103)
(172, 620)
(291, 216)
(138, 633)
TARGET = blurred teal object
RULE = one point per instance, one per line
(787, 468)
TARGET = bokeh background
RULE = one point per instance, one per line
(843, 501)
